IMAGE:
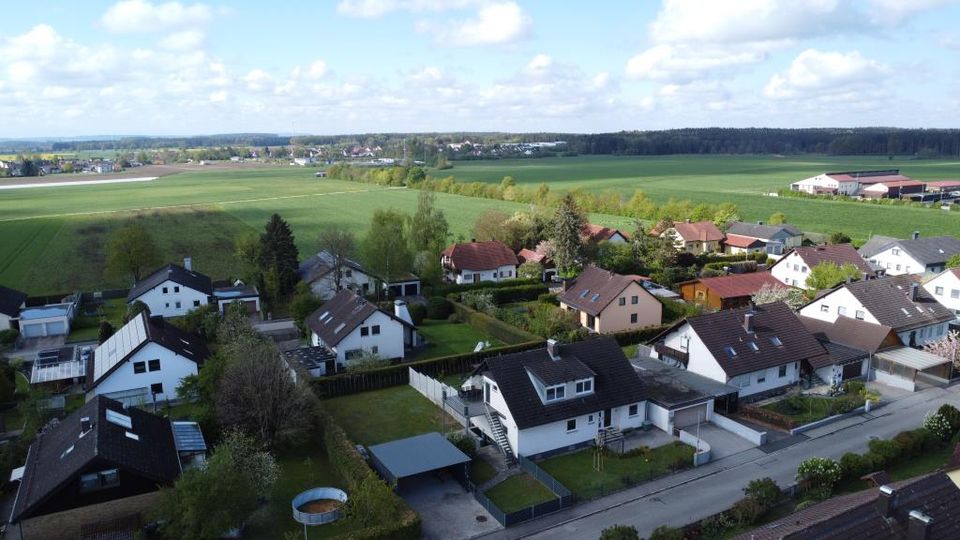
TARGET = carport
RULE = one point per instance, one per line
(418, 456)
(904, 367)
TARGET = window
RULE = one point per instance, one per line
(165, 290)
(841, 310)
(730, 351)
(895, 251)
(776, 341)
(633, 410)
(859, 314)
(782, 372)
(753, 346)
(139, 367)
(633, 318)
(824, 308)
(376, 329)
(364, 331)
(590, 419)
(938, 291)
(571, 425)
(99, 480)
(176, 289)
(761, 378)
(349, 273)
(954, 293)
(622, 301)
(634, 300)
(555, 392)
(375, 349)
(166, 304)
(585, 386)
(154, 365)
(178, 305)
(898, 267)
(196, 303)
(803, 269)
(156, 388)
(796, 268)
(355, 353)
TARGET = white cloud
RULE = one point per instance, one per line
(257, 80)
(684, 63)
(891, 12)
(538, 62)
(369, 9)
(494, 24)
(129, 16)
(316, 70)
(829, 75)
(183, 41)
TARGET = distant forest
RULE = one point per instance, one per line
(838, 141)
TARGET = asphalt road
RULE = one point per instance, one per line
(697, 493)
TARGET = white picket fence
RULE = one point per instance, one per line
(433, 390)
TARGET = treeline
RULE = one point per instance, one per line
(610, 201)
(136, 143)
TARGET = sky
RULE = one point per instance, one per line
(142, 67)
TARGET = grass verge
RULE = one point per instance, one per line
(518, 492)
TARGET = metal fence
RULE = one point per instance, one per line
(564, 498)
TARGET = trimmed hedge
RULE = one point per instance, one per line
(767, 416)
(519, 293)
(634, 337)
(352, 383)
(714, 258)
(506, 333)
(445, 290)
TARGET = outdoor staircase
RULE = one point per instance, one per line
(608, 436)
(500, 436)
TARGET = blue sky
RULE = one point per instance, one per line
(350, 66)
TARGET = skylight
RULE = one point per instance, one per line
(753, 345)
(339, 328)
(118, 419)
(776, 341)
(730, 352)
(584, 293)
(595, 298)
(324, 316)
(67, 451)
(905, 312)
(133, 436)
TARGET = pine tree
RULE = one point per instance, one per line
(279, 254)
(566, 230)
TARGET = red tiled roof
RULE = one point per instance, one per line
(599, 233)
(526, 255)
(698, 231)
(735, 240)
(737, 285)
(944, 183)
(480, 255)
(868, 179)
(838, 254)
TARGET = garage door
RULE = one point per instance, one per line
(58, 328)
(31, 330)
(851, 370)
(411, 289)
(689, 417)
(251, 306)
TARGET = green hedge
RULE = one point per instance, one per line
(444, 290)
(352, 383)
(506, 333)
(714, 258)
(767, 416)
(519, 293)
(634, 337)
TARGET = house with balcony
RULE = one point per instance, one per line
(351, 327)
(607, 302)
(474, 262)
(759, 350)
(794, 267)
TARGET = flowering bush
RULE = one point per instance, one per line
(938, 424)
(819, 472)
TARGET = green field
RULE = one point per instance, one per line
(739, 179)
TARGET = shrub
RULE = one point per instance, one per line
(845, 403)
(885, 451)
(765, 491)
(105, 331)
(746, 511)
(805, 504)
(910, 443)
(520, 293)
(938, 424)
(853, 387)
(619, 532)
(8, 336)
(438, 308)
(819, 472)
(716, 526)
(952, 415)
(665, 532)
(464, 443)
(479, 300)
(548, 298)
(418, 312)
(633, 337)
(854, 465)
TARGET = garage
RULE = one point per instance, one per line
(411, 289)
(43, 321)
(690, 416)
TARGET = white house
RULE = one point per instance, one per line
(173, 290)
(319, 273)
(945, 288)
(473, 262)
(760, 350)
(599, 233)
(551, 400)
(793, 269)
(848, 183)
(247, 295)
(697, 237)
(144, 361)
(11, 302)
(915, 255)
(898, 302)
(775, 239)
(351, 327)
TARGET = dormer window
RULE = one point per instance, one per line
(555, 392)
(585, 386)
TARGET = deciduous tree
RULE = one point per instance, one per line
(828, 274)
(490, 225)
(131, 251)
(777, 218)
(779, 293)
(385, 249)
(340, 245)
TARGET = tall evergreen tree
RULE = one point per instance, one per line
(565, 233)
(279, 254)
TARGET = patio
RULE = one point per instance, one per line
(654, 438)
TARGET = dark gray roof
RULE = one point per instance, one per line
(875, 245)
(567, 368)
(725, 330)
(175, 273)
(674, 387)
(756, 230)
(837, 354)
(415, 455)
(308, 357)
(888, 300)
(50, 466)
(853, 333)
(11, 300)
(341, 315)
(320, 265)
(930, 250)
(615, 384)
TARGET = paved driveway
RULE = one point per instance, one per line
(722, 442)
(446, 508)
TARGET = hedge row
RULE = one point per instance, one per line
(767, 416)
(634, 337)
(506, 295)
(351, 383)
(506, 333)
(402, 524)
(715, 258)
(444, 290)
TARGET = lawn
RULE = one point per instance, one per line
(577, 473)
(803, 409)
(385, 415)
(481, 471)
(448, 338)
(518, 492)
(87, 327)
(905, 467)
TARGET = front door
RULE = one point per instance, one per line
(476, 278)
(607, 417)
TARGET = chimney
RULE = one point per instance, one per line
(188, 263)
(914, 291)
(553, 349)
(401, 311)
(748, 322)
(85, 424)
(849, 279)
(915, 235)
(886, 502)
(918, 527)
(473, 240)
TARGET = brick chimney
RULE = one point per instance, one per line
(914, 291)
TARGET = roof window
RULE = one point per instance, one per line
(753, 345)
(118, 419)
(776, 341)
(730, 351)
(131, 435)
(595, 297)
(584, 293)
(339, 328)
(67, 451)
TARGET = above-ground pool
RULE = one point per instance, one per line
(319, 505)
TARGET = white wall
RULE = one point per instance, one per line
(791, 270)
(948, 295)
(701, 361)
(173, 368)
(750, 383)
(389, 342)
(893, 380)
(502, 273)
(896, 262)
(659, 416)
(552, 436)
(5, 321)
(828, 307)
(166, 304)
(924, 334)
